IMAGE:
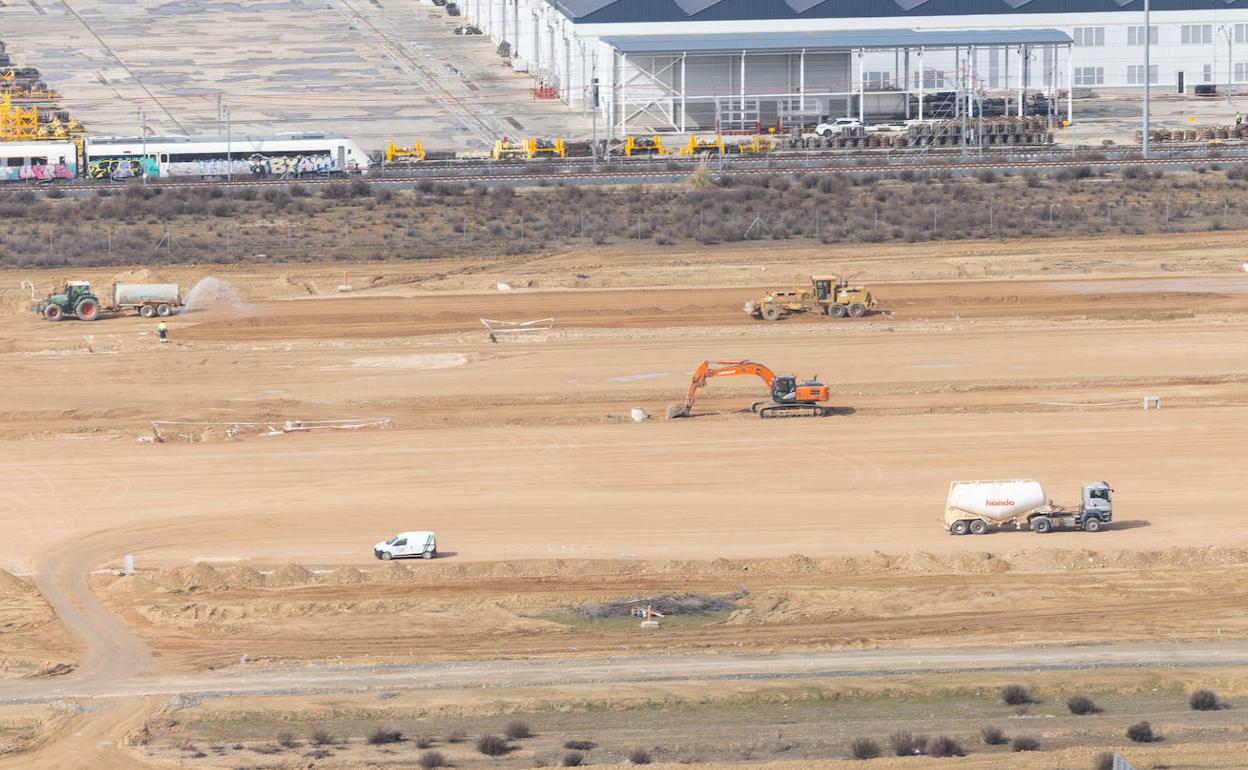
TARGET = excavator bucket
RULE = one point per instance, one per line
(677, 410)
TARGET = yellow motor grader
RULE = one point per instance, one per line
(826, 294)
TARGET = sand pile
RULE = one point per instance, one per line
(204, 577)
(136, 275)
(13, 301)
(12, 585)
(289, 575)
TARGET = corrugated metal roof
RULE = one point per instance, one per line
(847, 40)
(634, 11)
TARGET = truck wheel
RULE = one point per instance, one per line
(1041, 524)
(87, 309)
(857, 310)
(386, 556)
(147, 311)
(979, 527)
(1092, 524)
(837, 310)
(53, 313)
(427, 555)
(771, 312)
(959, 527)
(163, 310)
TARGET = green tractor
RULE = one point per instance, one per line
(76, 300)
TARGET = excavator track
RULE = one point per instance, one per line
(767, 409)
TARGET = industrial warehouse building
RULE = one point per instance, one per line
(687, 65)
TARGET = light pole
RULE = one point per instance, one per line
(143, 135)
(1226, 32)
(229, 154)
(1148, 44)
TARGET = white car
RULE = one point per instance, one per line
(837, 126)
(407, 545)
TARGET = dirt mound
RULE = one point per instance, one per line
(136, 275)
(12, 585)
(243, 577)
(15, 301)
(289, 575)
(346, 576)
(197, 577)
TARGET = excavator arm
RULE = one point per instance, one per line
(709, 369)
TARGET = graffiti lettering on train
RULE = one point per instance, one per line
(280, 166)
(209, 167)
(119, 168)
(284, 166)
(40, 173)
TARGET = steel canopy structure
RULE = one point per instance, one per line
(743, 82)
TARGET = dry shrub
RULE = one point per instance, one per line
(580, 745)
(944, 746)
(1103, 761)
(384, 735)
(423, 742)
(287, 740)
(321, 737)
(1141, 732)
(904, 744)
(493, 745)
(993, 736)
(639, 757)
(1016, 695)
(456, 736)
(1204, 700)
(432, 759)
(573, 759)
(1081, 705)
(518, 730)
(1025, 743)
(864, 748)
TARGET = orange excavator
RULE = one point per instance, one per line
(789, 398)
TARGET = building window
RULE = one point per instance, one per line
(1241, 72)
(1135, 35)
(1241, 33)
(1135, 74)
(931, 78)
(1089, 76)
(1196, 34)
(1208, 73)
(1085, 36)
(877, 81)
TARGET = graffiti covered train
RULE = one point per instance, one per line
(285, 156)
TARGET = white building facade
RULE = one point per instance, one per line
(567, 44)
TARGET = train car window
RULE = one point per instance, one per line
(13, 162)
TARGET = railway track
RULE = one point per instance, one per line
(527, 173)
(431, 82)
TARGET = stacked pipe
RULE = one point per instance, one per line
(1201, 134)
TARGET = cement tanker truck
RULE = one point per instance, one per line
(974, 507)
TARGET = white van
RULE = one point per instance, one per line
(407, 545)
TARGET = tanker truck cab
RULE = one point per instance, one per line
(1098, 506)
(407, 545)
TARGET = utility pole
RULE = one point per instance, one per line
(1148, 43)
(229, 153)
(143, 134)
(218, 113)
(1226, 32)
(593, 100)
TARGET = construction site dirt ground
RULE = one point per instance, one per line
(253, 547)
